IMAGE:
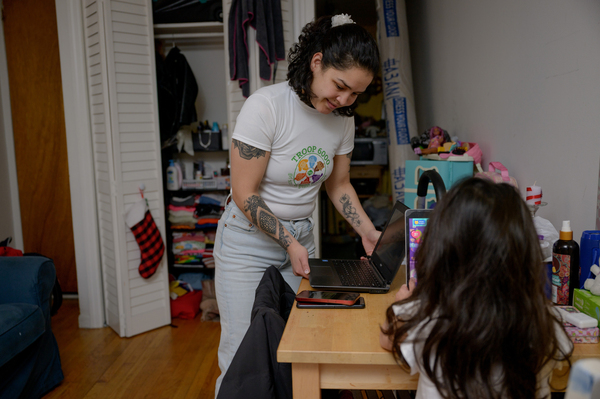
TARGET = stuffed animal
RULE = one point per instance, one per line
(593, 284)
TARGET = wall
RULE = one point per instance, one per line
(6, 223)
(522, 79)
(10, 211)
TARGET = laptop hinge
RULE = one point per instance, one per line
(379, 273)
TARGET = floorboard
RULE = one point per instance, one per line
(178, 361)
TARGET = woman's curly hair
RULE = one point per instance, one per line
(343, 47)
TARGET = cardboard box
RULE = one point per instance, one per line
(587, 303)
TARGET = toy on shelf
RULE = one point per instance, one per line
(593, 284)
(430, 140)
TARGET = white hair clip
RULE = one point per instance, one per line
(341, 19)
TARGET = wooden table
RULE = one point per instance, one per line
(339, 349)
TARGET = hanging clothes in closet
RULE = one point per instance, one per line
(177, 92)
(266, 18)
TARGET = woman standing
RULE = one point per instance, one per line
(289, 138)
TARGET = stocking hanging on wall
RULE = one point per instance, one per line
(146, 233)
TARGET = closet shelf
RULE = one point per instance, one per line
(192, 30)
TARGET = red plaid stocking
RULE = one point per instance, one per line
(148, 238)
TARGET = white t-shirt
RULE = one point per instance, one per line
(426, 388)
(302, 143)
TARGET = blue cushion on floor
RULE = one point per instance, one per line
(20, 325)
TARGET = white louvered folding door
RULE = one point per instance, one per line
(126, 144)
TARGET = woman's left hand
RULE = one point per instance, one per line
(369, 240)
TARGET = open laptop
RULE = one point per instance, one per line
(373, 275)
(415, 223)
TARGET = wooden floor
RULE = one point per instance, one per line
(164, 363)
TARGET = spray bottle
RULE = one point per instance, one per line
(565, 266)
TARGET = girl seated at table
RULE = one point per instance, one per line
(478, 324)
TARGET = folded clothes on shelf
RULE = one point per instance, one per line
(199, 260)
(188, 220)
(184, 246)
(198, 236)
(191, 248)
(213, 199)
(196, 211)
(190, 200)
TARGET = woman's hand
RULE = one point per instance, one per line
(406, 291)
(299, 259)
(369, 240)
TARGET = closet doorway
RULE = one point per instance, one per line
(32, 53)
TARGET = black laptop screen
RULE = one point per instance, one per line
(391, 246)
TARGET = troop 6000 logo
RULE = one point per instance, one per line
(311, 166)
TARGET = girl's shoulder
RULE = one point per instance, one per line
(407, 309)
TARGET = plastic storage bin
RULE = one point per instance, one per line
(451, 172)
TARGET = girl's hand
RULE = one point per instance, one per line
(299, 259)
(406, 291)
(385, 340)
(369, 240)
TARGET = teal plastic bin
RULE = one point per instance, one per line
(451, 172)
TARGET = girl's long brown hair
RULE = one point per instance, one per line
(480, 289)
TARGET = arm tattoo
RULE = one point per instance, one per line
(266, 221)
(349, 156)
(283, 240)
(247, 151)
(252, 205)
(349, 211)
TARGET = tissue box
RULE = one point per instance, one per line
(587, 303)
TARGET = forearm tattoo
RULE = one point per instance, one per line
(349, 211)
(247, 151)
(265, 220)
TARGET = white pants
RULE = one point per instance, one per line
(242, 254)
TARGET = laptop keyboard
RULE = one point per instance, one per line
(354, 273)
